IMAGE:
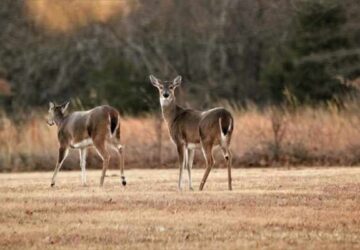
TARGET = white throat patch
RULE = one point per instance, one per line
(165, 101)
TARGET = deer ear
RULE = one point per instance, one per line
(51, 105)
(65, 106)
(154, 81)
(177, 81)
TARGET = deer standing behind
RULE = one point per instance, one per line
(98, 127)
(190, 129)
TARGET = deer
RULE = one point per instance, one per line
(190, 129)
(98, 128)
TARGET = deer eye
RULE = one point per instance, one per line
(171, 87)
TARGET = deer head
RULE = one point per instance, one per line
(56, 113)
(166, 89)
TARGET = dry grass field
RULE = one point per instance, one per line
(309, 136)
(300, 208)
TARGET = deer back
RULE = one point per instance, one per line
(81, 125)
(185, 126)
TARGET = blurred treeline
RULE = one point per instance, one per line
(256, 51)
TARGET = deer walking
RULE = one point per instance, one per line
(98, 127)
(190, 129)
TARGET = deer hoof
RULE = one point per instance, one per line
(52, 184)
(123, 180)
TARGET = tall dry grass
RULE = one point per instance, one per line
(307, 136)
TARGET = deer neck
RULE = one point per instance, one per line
(170, 112)
(59, 119)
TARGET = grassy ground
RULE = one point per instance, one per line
(271, 208)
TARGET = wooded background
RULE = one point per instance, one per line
(241, 51)
(288, 70)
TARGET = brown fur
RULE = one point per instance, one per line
(189, 126)
(98, 127)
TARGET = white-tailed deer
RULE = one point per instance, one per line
(98, 127)
(190, 129)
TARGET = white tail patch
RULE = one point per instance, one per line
(224, 136)
(230, 126)
(113, 133)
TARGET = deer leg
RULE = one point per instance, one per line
(63, 152)
(228, 159)
(122, 165)
(105, 156)
(120, 151)
(229, 166)
(182, 153)
(191, 153)
(83, 154)
(207, 151)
